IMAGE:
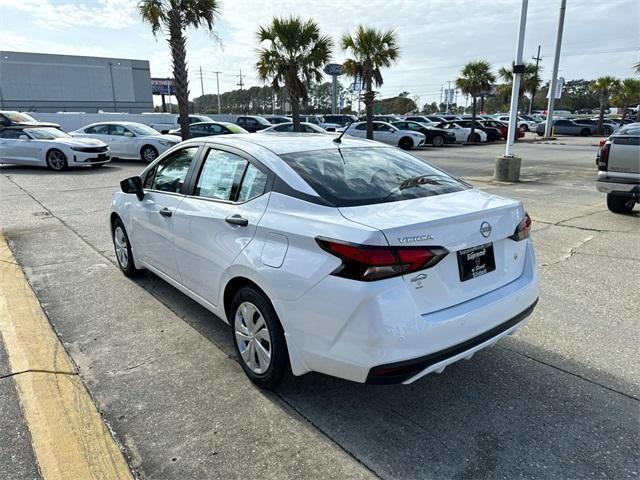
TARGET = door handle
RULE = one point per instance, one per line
(165, 212)
(237, 220)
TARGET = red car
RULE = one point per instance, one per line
(502, 126)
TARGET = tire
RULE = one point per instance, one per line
(148, 153)
(405, 143)
(475, 138)
(56, 160)
(122, 248)
(585, 132)
(619, 204)
(524, 127)
(437, 141)
(540, 133)
(255, 328)
(607, 131)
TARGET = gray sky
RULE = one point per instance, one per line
(437, 37)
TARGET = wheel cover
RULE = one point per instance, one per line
(253, 338)
(56, 160)
(437, 141)
(120, 243)
(149, 154)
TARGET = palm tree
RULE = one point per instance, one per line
(476, 78)
(637, 67)
(627, 94)
(529, 82)
(604, 87)
(293, 58)
(371, 50)
(173, 17)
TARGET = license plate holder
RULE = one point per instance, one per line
(476, 261)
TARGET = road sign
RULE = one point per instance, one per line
(163, 86)
(333, 69)
(559, 87)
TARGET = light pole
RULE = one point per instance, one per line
(554, 76)
(218, 89)
(508, 166)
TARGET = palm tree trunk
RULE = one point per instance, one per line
(601, 116)
(473, 120)
(369, 97)
(177, 44)
(295, 112)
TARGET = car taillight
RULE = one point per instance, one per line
(369, 262)
(523, 229)
(603, 159)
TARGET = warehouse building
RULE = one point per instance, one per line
(55, 83)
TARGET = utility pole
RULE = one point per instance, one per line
(218, 90)
(201, 82)
(554, 75)
(441, 90)
(113, 87)
(508, 166)
(241, 84)
(537, 58)
(447, 94)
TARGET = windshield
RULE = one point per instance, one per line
(233, 128)
(46, 133)
(19, 117)
(369, 175)
(142, 130)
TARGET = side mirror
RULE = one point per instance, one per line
(128, 134)
(23, 137)
(133, 185)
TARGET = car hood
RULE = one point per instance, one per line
(81, 142)
(171, 138)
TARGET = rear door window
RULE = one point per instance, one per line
(221, 175)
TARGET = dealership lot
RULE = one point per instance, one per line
(557, 400)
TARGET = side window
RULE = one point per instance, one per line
(220, 176)
(251, 122)
(253, 184)
(241, 121)
(199, 129)
(118, 130)
(171, 172)
(362, 126)
(98, 130)
(216, 129)
(13, 134)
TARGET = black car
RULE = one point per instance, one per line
(493, 134)
(275, 119)
(252, 123)
(207, 129)
(435, 136)
(342, 120)
(9, 118)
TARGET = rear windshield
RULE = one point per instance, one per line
(368, 175)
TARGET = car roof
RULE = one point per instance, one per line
(115, 122)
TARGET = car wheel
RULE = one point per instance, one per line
(606, 131)
(56, 160)
(475, 138)
(437, 141)
(524, 127)
(540, 133)
(619, 204)
(405, 143)
(122, 247)
(148, 153)
(258, 338)
(585, 132)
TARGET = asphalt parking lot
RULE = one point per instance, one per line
(560, 399)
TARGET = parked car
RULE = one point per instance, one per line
(618, 162)
(567, 127)
(493, 134)
(384, 118)
(343, 120)
(252, 123)
(361, 262)
(320, 121)
(526, 125)
(275, 119)
(435, 136)
(387, 133)
(608, 126)
(463, 135)
(205, 129)
(288, 127)
(129, 139)
(502, 127)
(435, 118)
(50, 147)
(10, 118)
(451, 118)
(421, 119)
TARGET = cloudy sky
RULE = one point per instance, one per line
(437, 37)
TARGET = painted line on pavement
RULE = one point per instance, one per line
(69, 437)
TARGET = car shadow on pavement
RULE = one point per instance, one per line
(111, 167)
(500, 415)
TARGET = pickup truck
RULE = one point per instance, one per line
(618, 162)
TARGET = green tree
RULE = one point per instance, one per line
(529, 82)
(604, 87)
(371, 50)
(173, 17)
(627, 94)
(476, 78)
(293, 58)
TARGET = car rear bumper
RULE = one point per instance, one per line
(619, 187)
(347, 329)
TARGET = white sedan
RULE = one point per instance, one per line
(129, 139)
(463, 135)
(50, 147)
(387, 133)
(346, 257)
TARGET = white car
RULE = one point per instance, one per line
(463, 134)
(129, 139)
(340, 256)
(387, 133)
(50, 147)
(523, 123)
